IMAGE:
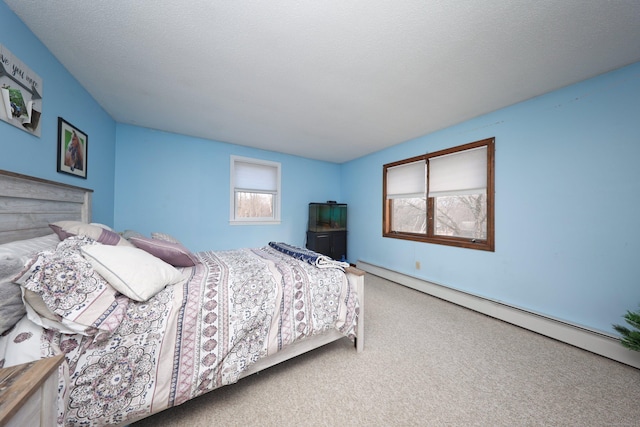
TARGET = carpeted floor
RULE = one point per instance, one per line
(426, 362)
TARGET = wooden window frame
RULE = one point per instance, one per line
(430, 237)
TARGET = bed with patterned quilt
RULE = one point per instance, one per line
(144, 323)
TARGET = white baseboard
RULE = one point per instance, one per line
(587, 339)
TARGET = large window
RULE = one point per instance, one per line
(255, 191)
(446, 197)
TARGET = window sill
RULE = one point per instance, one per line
(481, 245)
(254, 222)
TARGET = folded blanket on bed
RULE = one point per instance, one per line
(309, 256)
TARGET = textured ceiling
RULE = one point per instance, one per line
(333, 79)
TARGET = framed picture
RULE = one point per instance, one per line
(72, 149)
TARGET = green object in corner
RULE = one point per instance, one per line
(630, 337)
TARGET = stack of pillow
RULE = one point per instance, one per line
(81, 279)
(136, 266)
(13, 258)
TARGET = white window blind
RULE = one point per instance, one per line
(464, 172)
(255, 176)
(407, 180)
(255, 187)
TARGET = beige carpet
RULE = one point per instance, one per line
(426, 363)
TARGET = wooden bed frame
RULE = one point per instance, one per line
(28, 205)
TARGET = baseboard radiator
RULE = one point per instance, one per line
(578, 336)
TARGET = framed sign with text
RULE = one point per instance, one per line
(20, 94)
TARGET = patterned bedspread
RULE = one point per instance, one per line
(237, 307)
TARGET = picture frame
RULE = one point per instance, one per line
(73, 147)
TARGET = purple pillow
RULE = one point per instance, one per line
(171, 253)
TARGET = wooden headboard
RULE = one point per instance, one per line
(28, 205)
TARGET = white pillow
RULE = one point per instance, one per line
(106, 227)
(166, 237)
(132, 271)
(22, 344)
(14, 255)
(29, 247)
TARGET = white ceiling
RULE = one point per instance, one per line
(332, 79)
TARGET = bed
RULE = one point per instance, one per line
(145, 324)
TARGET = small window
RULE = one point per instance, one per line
(255, 191)
(444, 197)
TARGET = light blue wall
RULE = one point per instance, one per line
(567, 189)
(61, 96)
(180, 185)
(567, 205)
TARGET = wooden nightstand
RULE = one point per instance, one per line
(28, 393)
